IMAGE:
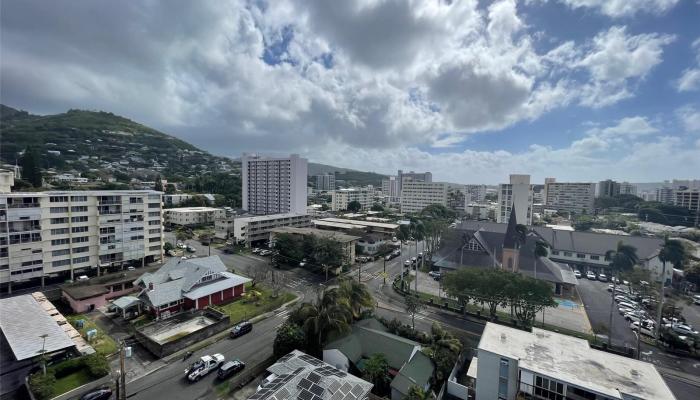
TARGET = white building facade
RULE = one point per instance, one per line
(341, 197)
(63, 233)
(274, 185)
(520, 191)
(324, 182)
(570, 196)
(688, 198)
(475, 193)
(416, 195)
(191, 216)
(249, 229)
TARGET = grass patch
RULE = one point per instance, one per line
(102, 343)
(141, 320)
(72, 381)
(248, 307)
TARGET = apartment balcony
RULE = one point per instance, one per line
(23, 205)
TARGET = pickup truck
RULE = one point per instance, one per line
(203, 366)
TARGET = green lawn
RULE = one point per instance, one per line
(247, 308)
(103, 343)
(72, 381)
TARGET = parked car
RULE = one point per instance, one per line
(628, 305)
(230, 368)
(414, 260)
(577, 274)
(407, 263)
(420, 255)
(590, 275)
(256, 250)
(684, 329)
(241, 329)
(190, 249)
(434, 273)
(265, 252)
(696, 299)
(646, 329)
(99, 394)
(203, 366)
(602, 277)
(625, 310)
(82, 278)
(634, 317)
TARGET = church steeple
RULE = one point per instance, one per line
(511, 239)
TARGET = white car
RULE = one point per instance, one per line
(627, 304)
(684, 329)
(203, 366)
(590, 275)
(696, 299)
(625, 310)
(577, 274)
(602, 277)
(634, 317)
(256, 250)
(646, 329)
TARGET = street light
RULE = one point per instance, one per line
(43, 352)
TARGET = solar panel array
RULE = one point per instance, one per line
(308, 378)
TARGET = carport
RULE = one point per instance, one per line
(128, 305)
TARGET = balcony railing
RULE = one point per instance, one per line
(23, 205)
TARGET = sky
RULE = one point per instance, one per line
(580, 90)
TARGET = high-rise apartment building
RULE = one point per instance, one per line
(274, 185)
(416, 195)
(628, 188)
(475, 193)
(390, 188)
(342, 197)
(689, 198)
(413, 176)
(325, 182)
(608, 188)
(682, 184)
(664, 195)
(518, 194)
(570, 196)
(49, 234)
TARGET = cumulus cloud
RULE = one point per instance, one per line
(690, 78)
(689, 117)
(623, 8)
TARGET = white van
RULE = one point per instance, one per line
(82, 278)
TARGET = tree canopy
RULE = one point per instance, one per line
(354, 206)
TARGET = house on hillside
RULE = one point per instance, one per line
(408, 366)
(193, 284)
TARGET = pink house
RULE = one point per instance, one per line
(97, 292)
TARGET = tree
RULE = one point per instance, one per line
(437, 211)
(289, 248)
(521, 232)
(358, 296)
(325, 207)
(170, 188)
(330, 314)
(672, 251)
(443, 351)
(413, 306)
(42, 385)
(167, 247)
(182, 234)
(530, 297)
(541, 249)
(289, 337)
(623, 258)
(377, 207)
(376, 372)
(159, 184)
(31, 166)
(417, 393)
(354, 206)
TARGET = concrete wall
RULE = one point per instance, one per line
(165, 349)
(337, 359)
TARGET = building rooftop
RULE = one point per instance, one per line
(301, 376)
(257, 218)
(23, 321)
(338, 225)
(358, 222)
(80, 192)
(572, 360)
(337, 236)
(192, 209)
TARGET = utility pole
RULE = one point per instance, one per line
(122, 371)
(384, 270)
(43, 352)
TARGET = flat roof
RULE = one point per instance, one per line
(257, 218)
(23, 320)
(365, 223)
(80, 192)
(572, 360)
(340, 237)
(337, 224)
(191, 209)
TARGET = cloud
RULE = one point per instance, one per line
(623, 8)
(689, 117)
(626, 127)
(690, 78)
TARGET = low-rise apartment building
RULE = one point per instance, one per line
(570, 197)
(49, 234)
(513, 364)
(688, 198)
(416, 195)
(351, 225)
(249, 229)
(342, 197)
(192, 216)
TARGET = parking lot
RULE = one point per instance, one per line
(596, 300)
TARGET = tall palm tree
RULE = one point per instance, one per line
(357, 296)
(329, 315)
(623, 258)
(521, 231)
(672, 251)
(444, 349)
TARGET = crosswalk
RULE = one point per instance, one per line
(368, 276)
(298, 282)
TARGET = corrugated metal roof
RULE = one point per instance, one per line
(23, 321)
(230, 280)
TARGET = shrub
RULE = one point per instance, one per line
(42, 385)
(97, 365)
(67, 367)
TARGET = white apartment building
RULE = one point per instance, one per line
(47, 234)
(479, 211)
(341, 197)
(474, 193)
(191, 216)
(628, 188)
(689, 198)
(518, 189)
(570, 196)
(416, 195)
(401, 177)
(325, 182)
(274, 185)
(512, 364)
(249, 229)
(390, 188)
(664, 195)
(7, 180)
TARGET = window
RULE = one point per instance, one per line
(136, 228)
(60, 263)
(58, 199)
(79, 209)
(567, 254)
(595, 257)
(473, 245)
(108, 230)
(55, 221)
(549, 388)
(33, 262)
(83, 218)
(57, 242)
(78, 198)
(83, 249)
(59, 231)
(79, 260)
(579, 255)
(503, 379)
(555, 252)
(154, 248)
(139, 237)
(154, 222)
(81, 239)
(58, 210)
(79, 229)
(154, 214)
(135, 200)
(152, 231)
(152, 240)
(153, 205)
(25, 238)
(57, 253)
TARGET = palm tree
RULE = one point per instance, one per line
(329, 315)
(417, 393)
(521, 231)
(444, 349)
(357, 295)
(376, 371)
(672, 251)
(541, 249)
(623, 258)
